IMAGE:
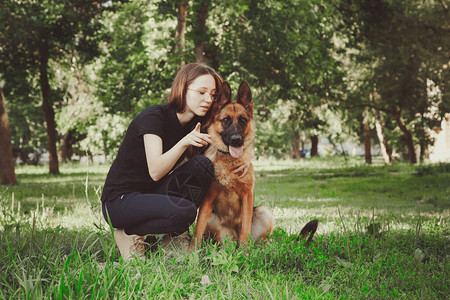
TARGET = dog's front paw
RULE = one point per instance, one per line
(243, 239)
(192, 247)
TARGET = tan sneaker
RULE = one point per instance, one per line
(129, 245)
(176, 243)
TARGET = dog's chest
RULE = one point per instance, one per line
(231, 190)
(228, 207)
(223, 172)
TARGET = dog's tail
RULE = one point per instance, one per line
(308, 232)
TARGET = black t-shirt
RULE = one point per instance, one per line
(129, 171)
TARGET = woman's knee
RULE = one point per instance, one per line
(109, 213)
(183, 218)
(189, 214)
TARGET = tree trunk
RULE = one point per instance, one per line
(387, 153)
(66, 147)
(408, 137)
(314, 145)
(367, 142)
(200, 31)
(423, 138)
(180, 41)
(296, 144)
(47, 107)
(7, 173)
(423, 150)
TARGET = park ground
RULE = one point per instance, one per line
(384, 233)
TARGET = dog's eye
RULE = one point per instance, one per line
(243, 120)
(226, 121)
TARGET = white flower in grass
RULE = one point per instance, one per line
(419, 255)
(205, 280)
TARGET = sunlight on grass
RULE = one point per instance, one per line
(315, 163)
(69, 206)
(293, 219)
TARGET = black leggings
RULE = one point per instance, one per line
(173, 206)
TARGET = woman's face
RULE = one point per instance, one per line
(200, 94)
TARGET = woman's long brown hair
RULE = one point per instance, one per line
(177, 98)
(185, 76)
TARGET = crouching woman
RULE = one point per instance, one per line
(145, 191)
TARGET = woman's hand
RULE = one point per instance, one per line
(242, 169)
(196, 138)
(159, 163)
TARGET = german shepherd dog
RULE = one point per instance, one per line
(227, 210)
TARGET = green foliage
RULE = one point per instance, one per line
(39, 37)
(105, 135)
(399, 61)
(27, 124)
(312, 65)
(93, 130)
(138, 62)
(285, 50)
(136, 68)
(34, 30)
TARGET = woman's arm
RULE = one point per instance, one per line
(159, 164)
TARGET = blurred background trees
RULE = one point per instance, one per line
(372, 72)
(37, 38)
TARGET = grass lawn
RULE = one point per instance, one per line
(384, 233)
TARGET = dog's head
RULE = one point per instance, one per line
(231, 127)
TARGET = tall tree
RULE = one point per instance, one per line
(140, 54)
(385, 149)
(7, 174)
(405, 43)
(286, 49)
(367, 139)
(180, 36)
(39, 32)
(201, 9)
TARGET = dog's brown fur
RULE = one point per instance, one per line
(227, 210)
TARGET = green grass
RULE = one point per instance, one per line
(371, 221)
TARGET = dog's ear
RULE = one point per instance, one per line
(223, 99)
(224, 96)
(244, 96)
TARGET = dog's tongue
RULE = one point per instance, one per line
(236, 152)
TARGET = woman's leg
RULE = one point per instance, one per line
(143, 214)
(173, 207)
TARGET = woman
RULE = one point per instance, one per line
(141, 195)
